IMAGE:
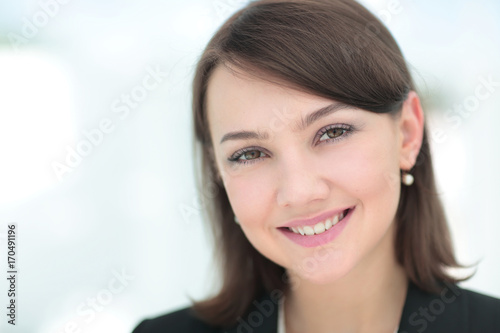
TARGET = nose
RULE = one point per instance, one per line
(300, 182)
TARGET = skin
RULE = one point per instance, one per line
(352, 284)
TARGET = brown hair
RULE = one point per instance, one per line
(335, 49)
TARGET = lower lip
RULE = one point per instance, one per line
(321, 239)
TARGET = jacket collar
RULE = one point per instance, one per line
(422, 312)
(445, 311)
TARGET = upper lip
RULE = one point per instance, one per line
(316, 219)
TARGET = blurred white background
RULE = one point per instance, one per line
(116, 235)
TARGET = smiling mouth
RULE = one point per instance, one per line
(320, 227)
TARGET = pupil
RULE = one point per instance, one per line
(250, 154)
(334, 132)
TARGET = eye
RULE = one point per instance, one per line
(251, 154)
(247, 155)
(327, 134)
(334, 133)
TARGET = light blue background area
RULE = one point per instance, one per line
(125, 226)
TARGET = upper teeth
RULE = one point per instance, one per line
(319, 227)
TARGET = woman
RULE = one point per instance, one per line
(326, 215)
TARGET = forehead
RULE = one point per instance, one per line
(237, 99)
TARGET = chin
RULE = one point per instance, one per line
(321, 270)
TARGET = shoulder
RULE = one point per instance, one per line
(453, 309)
(482, 308)
(261, 317)
(180, 321)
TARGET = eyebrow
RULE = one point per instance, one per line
(300, 126)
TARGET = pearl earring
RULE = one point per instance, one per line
(407, 178)
(236, 220)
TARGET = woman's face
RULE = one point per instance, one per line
(283, 167)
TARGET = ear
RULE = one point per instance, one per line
(411, 129)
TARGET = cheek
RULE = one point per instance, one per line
(250, 197)
(369, 173)
(252, 200)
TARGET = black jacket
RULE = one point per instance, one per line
(454, 310)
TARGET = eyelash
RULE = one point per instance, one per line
(348, 129)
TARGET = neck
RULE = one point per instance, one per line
(370, 298)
